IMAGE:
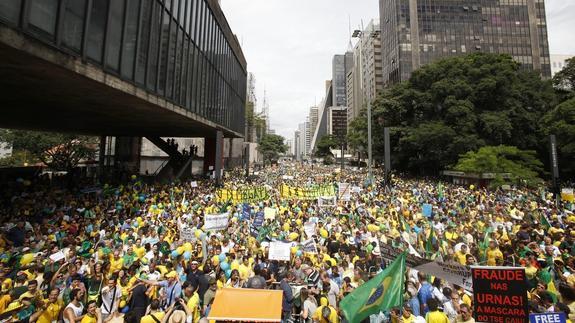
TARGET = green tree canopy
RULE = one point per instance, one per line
(324, 146)
(522, 165)
(58, 151)
(564, 80)
(456, 105)
(271, 146)
(561, 122)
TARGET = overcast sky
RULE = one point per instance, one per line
(289, 45)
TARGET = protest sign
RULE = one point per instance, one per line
(242, 195)
(309, 229)
(451, 272)
(309, 246)
(194, 184)
(215, 222)
(279, 251)
(55, 257)
(324, 201)
(306, 193)
(499, 294)
(426, 210)
(559, 317)
(259, 219)
(344, 191)
(246, 211)
(187, 234)
(270, 213)
(356, 189)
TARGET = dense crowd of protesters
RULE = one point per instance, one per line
(117, 254)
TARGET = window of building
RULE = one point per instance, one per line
(10, 10)
(74, 14)
(115, 34)
(43, 15)
(96, 30)
(129, 43)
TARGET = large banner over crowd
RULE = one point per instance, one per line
(308, 192)
(242, 195)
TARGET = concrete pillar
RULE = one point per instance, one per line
(101, 158)
(214, 154)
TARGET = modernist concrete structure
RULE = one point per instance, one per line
(341, 65)
(123, 68)
(418, 32)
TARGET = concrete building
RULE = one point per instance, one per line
(341, 65)
(297, 145)
(418, 32)
(313, 118)
(558, 62)
(365, 79)
(304, 140)
(124, 69)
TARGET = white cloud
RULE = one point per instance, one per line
(289, 45)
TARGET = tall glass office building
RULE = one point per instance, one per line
(418, 32)
(182, 51)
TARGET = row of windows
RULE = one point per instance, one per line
(173, 48)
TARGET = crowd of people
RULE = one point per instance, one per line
(117, 253)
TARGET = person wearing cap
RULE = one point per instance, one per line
(172, 286)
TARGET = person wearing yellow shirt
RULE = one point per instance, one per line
(156, 315)
(325, 313)
(93, 314)
(50, 310)
(434, 315)
(461, 254)
(190, 291)
(451, 235)
(494, 255)
(407, 315)
(116, 262)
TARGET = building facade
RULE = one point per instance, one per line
(341, 65)
(365, 80)
(418, 32)
(183, 52)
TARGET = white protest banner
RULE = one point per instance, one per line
(356, 189)
(309, 246)
(287, 177)
(326, 201)
(194, 184)
(215, 222)
(279, 251)
(187, 234)
(344, 191)
(309, 229)
(270, 213)
(55, 257)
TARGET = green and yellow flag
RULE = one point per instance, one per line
(381, 293)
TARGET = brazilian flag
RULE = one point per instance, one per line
(381, 293)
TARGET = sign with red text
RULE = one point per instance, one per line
(500, 294)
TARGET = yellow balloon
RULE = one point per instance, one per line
(122, 303)
(188, 247)
(471, 186)
(286, 226)
(215, 260)
(323, 233)
(293, 250)
(293, 236)
(26, 259)
(372, 228)
(298, 221)
(198, 233)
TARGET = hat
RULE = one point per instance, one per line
(195, 262)
(171, 274)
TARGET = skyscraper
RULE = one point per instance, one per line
(418, 32)
(341, 65)
(365, 80)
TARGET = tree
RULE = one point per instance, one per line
(561, 122)
(456, 105)
(522, 165)
(58, 151)
(325, 145)
(271, 146)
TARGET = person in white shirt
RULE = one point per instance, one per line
(111, 295)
